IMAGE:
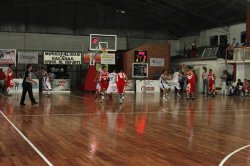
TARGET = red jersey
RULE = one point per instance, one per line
(211, 77)
(104, 76)
(121, 77)
(191, 78)
(10, 82)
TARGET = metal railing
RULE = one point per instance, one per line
(239, 54)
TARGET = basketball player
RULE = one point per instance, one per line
(112, 84)
(211, 83)
(97, 82)
(46, 82)
(190, 83)
(164, 85)
(9, 79)
(104, 81)
(121, 81)
(174, 82)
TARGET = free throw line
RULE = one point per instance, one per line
(231, 154)
(27, 140)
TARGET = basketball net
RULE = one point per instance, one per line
(92, 59)
(105, 50)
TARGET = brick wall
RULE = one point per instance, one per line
(161, 50)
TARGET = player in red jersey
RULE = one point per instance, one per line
(121, 82)
(190, 83)
(104, 81)
(9, 79)
(211, 83)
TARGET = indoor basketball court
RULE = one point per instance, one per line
(108, 83)
(73, 130)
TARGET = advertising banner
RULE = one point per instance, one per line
(62, 58)
(92, 58)
(60, 85)
(18, 88)
(27, 57)
(108, 59)
(148, 86)
(157, 62)
(7, 56)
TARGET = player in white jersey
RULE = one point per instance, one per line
(174, 82)
(46, 82)
(164, 85)
(112, 83)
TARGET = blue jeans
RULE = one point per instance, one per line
(205, 86)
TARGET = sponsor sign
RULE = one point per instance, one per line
(62, 58)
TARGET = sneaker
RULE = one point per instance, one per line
(102, 98)
(120, 101)
(178, 95)
(167, 97)
(193, 98)
(164, 98)
(22, 104)
(34, 103)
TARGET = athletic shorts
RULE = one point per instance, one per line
(112, 88)
(121, 87)
(165, 86)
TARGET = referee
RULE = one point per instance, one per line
(27, 86)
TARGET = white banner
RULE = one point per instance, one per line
(148, 86)
(62, 58)
(27, 57)
(18, 88)
(157, 62)
(7, 56)
(108, 59)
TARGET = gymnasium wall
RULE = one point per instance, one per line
(39, 42)
(160, 50)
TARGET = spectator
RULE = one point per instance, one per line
(205, 80)
(245, 88)
(194, 49)
(230, 48)
(2, 80)
(238, 88)
(223, 78)
(246, 43)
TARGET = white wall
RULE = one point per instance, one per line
(203, 39)
(175, 47)
(32, 41)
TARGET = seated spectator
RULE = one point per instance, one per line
(238, 88)
(245, 88)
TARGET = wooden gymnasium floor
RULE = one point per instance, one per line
(72, 130)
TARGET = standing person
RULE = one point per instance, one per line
(27, 86)
(211, 83)
(112, 83)
(194, 49)
(175, 82)
(103, 78)
(46, 82)
(205, 80)
(2, 78)
(190, 91)
(9, 79)
(223, 78)
(163, 85)
(121, 81)
(97, 82)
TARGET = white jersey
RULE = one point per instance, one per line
(176, 77)
(112, 78)
(162, 79)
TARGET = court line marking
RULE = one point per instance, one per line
(28, 141)
(231, 154)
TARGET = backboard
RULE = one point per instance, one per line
(100, 41)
